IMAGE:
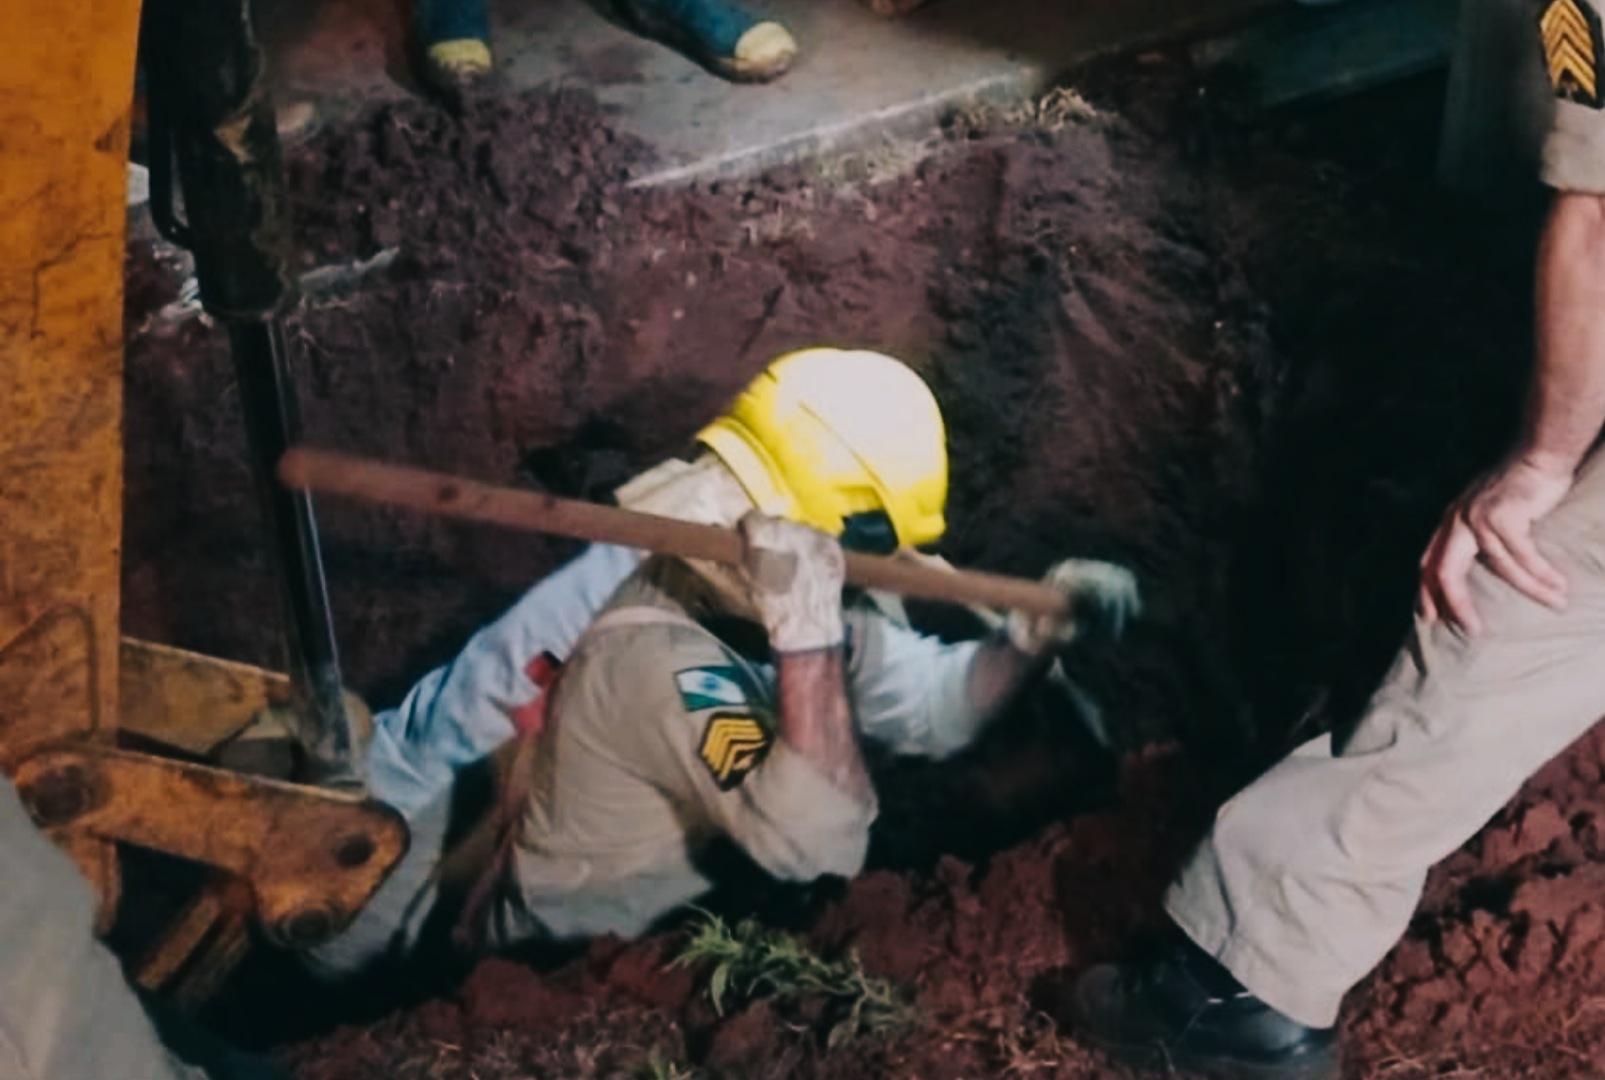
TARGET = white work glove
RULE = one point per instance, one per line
(794, 577)
(1102, 599)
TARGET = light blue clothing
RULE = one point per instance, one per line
(461, 712)
(455, 716)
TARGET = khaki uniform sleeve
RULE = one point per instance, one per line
(718, 748)
(910, 692)
(1569, 37)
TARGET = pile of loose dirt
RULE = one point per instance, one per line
(1504, 967)
(1251, 361)
(979, 946)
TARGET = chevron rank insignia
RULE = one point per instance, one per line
(1572, 45)
(732, 746)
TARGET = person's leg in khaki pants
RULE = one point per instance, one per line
(1311, 874)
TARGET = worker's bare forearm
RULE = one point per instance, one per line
(997, 673)
(1567, 405)
(816, 720)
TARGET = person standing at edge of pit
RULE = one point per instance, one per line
(723, 37)
(1311, 873)
(665, 734)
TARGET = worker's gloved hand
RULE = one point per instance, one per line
(794, 576)
(1102, 596)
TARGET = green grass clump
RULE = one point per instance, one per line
(747, 961)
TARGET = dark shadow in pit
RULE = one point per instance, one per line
(1412, 333)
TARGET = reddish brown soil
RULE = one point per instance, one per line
(1505, 967)
(1251, 359)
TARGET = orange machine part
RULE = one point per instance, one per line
(66, 92)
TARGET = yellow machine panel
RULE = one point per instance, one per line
(66, 91)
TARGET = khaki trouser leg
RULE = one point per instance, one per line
(65, 1011)
(1311, 873)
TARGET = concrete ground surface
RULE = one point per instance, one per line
(859, 78)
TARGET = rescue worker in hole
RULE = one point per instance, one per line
(660, 735)
(1310, 874)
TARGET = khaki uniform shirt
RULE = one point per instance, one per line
(1569, 33)
(661, 738)
(1525, 98)
(624, 798)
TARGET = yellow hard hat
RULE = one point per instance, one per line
(850, 442)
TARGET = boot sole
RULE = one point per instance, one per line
(1316, 1067)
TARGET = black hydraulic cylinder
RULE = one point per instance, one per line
(272, 425)
(212, 118)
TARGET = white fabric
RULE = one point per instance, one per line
(66, 1013)
(458, 713)
(701, 491)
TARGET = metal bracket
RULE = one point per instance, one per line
(188, 700)
(311, 856)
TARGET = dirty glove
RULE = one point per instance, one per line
(1103, 598)
(794, 576)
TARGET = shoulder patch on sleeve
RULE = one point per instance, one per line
(733, 744)
(1570, 30)
(713, 687)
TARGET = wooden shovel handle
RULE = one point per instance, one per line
(332, 473)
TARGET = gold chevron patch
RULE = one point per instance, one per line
(732, 746)
(1570, 30)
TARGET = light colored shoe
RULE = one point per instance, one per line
(297, 121)
(762, 54)
(455, 67)
(721, 36)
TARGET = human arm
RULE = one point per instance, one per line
(816, 719)
(1493, 521)
(794, 575)
(919, 695)
(998, 671)
(460, 712)
(779, 773)
(771, 793)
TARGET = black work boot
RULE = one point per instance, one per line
(1184, 1011)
